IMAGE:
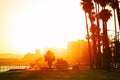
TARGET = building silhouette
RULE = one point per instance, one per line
(31, 57)
(77, 52)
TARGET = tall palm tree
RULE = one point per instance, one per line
(93, 30)
(87, 6)
(118, 12)
(103, 3)
(113, 6)
(98, 56)
(105, 15)
(96, 45)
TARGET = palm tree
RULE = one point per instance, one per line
(98, 55)
(103, 3)
(87, 6)
(94, 31)
(118, 11)
(113, 6)
(49, 57)
(105, 15)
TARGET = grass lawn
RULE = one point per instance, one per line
(60, 75)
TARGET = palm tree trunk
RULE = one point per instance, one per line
(91, 64)
(107, 50)
(115, 35)
(98, 56)
(94, 50)
(115, 25)
(105, 47)
(103, 66)
(118, 12)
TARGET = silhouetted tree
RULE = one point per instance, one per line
(49, 57)
(113, 6)
(61, 63)
(105, 15)
(94, 31)
(98, 55)
(88, 6)
(118, 11)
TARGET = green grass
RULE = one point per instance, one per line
(60, 75)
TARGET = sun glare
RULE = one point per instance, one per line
(45, 23)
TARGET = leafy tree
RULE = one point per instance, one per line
(49, 57)
(61, 63)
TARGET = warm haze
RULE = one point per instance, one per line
(26, 25)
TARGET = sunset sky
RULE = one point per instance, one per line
(26, 25)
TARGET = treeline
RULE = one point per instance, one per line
(106, 53)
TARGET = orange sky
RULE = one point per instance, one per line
(26, 25)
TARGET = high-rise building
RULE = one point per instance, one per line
(77, 52)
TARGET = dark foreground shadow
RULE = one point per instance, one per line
(63, 74)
